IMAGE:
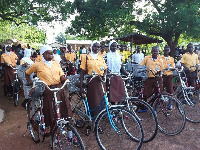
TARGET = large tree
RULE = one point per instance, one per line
(99, 18)
(165, 18)
(169, 19)
(25, 11)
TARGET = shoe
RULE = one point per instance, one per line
(74, 141)
(184, 102)
(142, 110)
(100, 130)
(170, 107)
(88, 129)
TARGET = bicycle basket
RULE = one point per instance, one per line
(39, 90)
(73, 81)
(139, 71)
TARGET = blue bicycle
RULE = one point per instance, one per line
(113, 123)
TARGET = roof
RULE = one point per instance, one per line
(78, 42)
(138, 39)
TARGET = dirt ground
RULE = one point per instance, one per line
(14, 127)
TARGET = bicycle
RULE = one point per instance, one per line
(189, 97)
(59, 138)
(171, 121)
(113, 122)
(16, 87)
(140, 108)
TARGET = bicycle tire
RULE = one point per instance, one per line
(15, 92)
(170, 121)
(78, 107)
(192, 112)
(129, 125)
(33, 115)
(63, 142)
(147, 118)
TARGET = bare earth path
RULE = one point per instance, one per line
(14, 126)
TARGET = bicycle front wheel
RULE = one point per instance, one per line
(170, 114)
(66, 137)
(147, 117)
(124, 130)
(15, 92)
(33, 114)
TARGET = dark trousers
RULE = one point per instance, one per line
(168, 83)
(191, 78)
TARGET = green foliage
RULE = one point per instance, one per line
(61, 38)
(25, 33)
(25, 11)
(99, 18)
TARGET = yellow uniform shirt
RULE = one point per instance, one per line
(82, 56)
(50, 76)
(70, 56)
(10, 59)
(124, 57)
(154, 65)
(94, 64)
(167, 63)
(190, 60)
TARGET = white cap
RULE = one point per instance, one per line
(45, 48)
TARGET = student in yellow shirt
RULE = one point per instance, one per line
(93, 62)
(154, 63)
(8, 59)
(167, 75)
(188, 60)
(71, 59)
(51, 73)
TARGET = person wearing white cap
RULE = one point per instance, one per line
(51, 73)
(8, 59)
(25, 63)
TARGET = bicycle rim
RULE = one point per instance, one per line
(15, 93)
(78, 109)
(147, 117)
(129, 129)
(170, 121)
(33, 115)
(192, 110)
(60, 138)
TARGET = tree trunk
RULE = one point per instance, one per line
(172, 44)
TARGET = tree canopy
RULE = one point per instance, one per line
(167, 19)
(25, 11)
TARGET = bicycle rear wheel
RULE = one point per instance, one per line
(192, 110)
(170, 114)
(15, 92)
(78, 107)
(62, 139)
(129, 129)
(33, 115)
(147, 117)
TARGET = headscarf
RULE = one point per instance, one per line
(113, 60)
(44, 49)
(27, 53)
(93, 55)
(8, 53)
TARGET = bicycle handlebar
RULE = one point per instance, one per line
(53, 90)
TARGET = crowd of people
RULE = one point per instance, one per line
(48, 64)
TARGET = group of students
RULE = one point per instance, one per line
(49, 70)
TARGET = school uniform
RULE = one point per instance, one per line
(94, 89)
(167, 75)
(150, 85)
(190, 60)
(51, 76)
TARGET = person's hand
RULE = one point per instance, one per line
(31, 91)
